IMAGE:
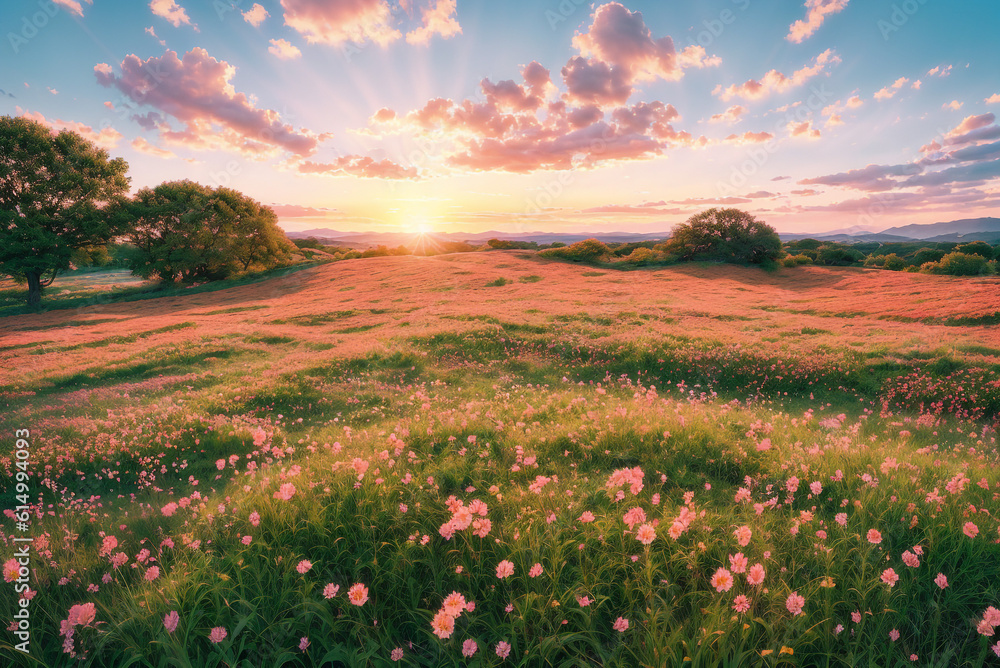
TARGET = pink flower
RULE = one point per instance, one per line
(304, 566)
(586, 517)
(738, 563)
(246, 540)
(816, 488)
(303, 644)
(889, 577)
(285, 492)
(357, 594)
(941, 580)
(82, 614)
(646, 534)
(505, 569)
(795, 603)
(894, 635)
(255, 518)
(620, 625)
(911, 559)
(397, 654)
(743, 535)
(220, 464)
(152, 573)
(443, 625)
(469, 647)
(970, 530)
(11, 569)
(722, 580)
(217, 635)
(535, 571)
(874, 536)
(330, 590)
(170, 621)
(755, 575)
(741, 604)
(454, 604)
(169, 509)
(841, 519)
(503, 649)
(584, 601)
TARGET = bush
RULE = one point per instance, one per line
(588, 250)
(894, 263)
(644, 256)
(728, 235)
(959, 264)
(976, 248)
(789, 261)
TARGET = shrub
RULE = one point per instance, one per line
(959, 264)
(729, 235)
(644, 256)
(588, 250)
(894, 263)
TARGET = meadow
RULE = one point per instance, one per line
(494, 459)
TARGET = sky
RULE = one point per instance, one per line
(531, 115)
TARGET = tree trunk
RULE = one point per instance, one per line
(34, 290)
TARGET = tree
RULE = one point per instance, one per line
(184, 230)
(58, 193)
(588, 250)
(729, 235)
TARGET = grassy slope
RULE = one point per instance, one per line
(434, 385)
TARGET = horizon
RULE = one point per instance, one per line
(424, 116)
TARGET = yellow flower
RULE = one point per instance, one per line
(766, 652)
(787, 650)
(827, 582)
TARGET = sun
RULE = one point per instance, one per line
(424, 228)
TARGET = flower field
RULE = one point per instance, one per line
(403, 461)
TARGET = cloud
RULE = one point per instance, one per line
(855, 102)
(298, 211)
(891, 90)
(730, 115)
(363, 166)
(197, 91)
(777, 82)
(940, 71)
(954, 105)
(438, 19)
(171, 11)
(993, 99)
(976, 172)
(335, 23)
(873, 178)
(818, 11)
(140, 144)
(53, 91)
(72, 6)
(284, 49)
(255, 15)
(107, 138)
(151, 32)
(803, 129)
(970, 123)
(916, 84)
(833, 121)
(750, 138)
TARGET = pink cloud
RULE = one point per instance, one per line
(72, 6)
(140, 144)
(803, 129)
(940, 71)
(954, 105)
(833, 121)
(255, 15)
(152, 33)
(171, 11)
(818, 11)
(993, 99)
(970, 123)
(438, 19)
(197, 91)
(283, 49)
(889, 91)
(299, 211)
(873, 178)
(335, 23)
(730, 115)
(855, 102)
(363, 166)
(105, 137)
(750, 138)
(777, 82)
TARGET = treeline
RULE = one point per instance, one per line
(975, 258)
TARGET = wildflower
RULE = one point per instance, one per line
(841, 519)
(587, 516)
(443, 625)
(254, 518)
(856, 617)
(152, 573)
(941, 580)
(738, 563)
(246, 540)
(634, 516)
(755, 575)
(11, 570)
(505, 569)
(722, 580)
(304, 566)
(620, 625)
(469, 647)
(911, 559)
(303, 644)
(170, 621)
(894, 635)
(397, 654)
(838, 629)
(816, 488)
(285, 492)
(220, 464)
(217, 635)
(743, 535)
(646, 534)
(795, 603)
(535, 571)
(874, 536)
(970, 530)
(741, 604)
(454, 604)
(330, 590)
(358, 594)
(503, 649)
(889, 577)
(169, 509)
(584, 601)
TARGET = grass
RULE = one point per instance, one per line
(181, 441)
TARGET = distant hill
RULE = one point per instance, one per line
(964, 228)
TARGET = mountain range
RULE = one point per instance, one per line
(970, 229)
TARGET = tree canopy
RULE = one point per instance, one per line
(729, 235)
(186, 231)
(58, 193)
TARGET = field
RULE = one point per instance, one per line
(493, 459)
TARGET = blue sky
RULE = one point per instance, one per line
(820, 120)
